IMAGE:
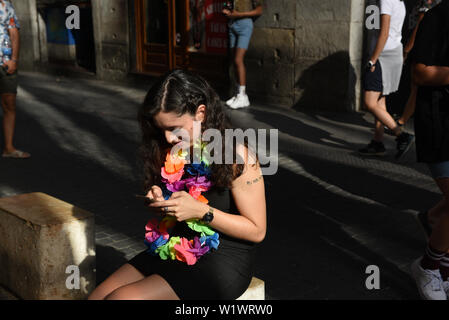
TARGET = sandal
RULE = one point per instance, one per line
(17, 154)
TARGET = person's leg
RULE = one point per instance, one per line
(379, 127)
(153, 287)
(239, 61)
(372, 105)
(9, 120)
(440, 233)
(435, 214)
(410, 106)
(426, 270)
(123, 276)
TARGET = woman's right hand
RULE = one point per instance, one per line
(155, 194)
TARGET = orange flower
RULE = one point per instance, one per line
(173, 164)
(202, 199)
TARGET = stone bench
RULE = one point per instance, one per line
(255, 291)
(40, 236)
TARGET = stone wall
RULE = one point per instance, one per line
(307, 54)
(29, 32)
(111, 33)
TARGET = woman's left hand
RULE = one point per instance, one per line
(182, 206)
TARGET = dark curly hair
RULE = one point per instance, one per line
(181, 92)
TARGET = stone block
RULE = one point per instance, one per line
(326, 84)
(274, 79)
(115, 57)
(114, 21)
(40, 236)
(277, 14)
(308, 11)
(272, 45)
(319, 40)
(255, 291)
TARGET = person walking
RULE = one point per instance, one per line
(430, 57)
(409, 110)
(240, 14)
(9, 58)
(382, 77)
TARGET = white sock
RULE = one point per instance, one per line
(242, 90)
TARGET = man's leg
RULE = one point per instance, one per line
(9, 122)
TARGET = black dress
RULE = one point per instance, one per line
(222, 274)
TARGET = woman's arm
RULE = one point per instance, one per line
(430, 75)
(248, 191)
(383, 37)
(411, 41)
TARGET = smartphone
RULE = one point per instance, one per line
(145, 199)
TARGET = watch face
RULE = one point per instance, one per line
(208, 217)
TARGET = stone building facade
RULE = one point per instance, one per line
(304, 54)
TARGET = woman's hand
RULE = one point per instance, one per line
(155, 194)
(182, 206)
(231, 14)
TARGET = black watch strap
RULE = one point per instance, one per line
(208, 216)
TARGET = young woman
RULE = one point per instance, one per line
(431, 74)
(382, 77)
(240, 32)
(213, 214)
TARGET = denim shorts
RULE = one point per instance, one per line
(240, 32)
(439, 170)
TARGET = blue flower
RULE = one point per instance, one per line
(152, 246)
(166, 193)
(211, 241)
(200, 169)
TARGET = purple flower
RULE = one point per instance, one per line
(176, 186)
(199, 182)
(197, 250)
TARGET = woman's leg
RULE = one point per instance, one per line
(123, 276)
(153, 287)
(410, 106)
(379, 127)
(239, 62)
(372, 105)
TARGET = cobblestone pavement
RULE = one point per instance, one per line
(331, 213)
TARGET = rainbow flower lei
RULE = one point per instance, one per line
(157, 236)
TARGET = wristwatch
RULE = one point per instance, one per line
(370, 64)
(209, 216)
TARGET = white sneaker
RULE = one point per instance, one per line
(429, 282)
(241, 101)
(230, 101)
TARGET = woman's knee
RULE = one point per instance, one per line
(119, 294)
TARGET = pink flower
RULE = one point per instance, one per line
(172, 177)
(182, 253)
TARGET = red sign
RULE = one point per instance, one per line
(216, 27)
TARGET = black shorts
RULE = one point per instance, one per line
(8, 82)
(372, 81)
